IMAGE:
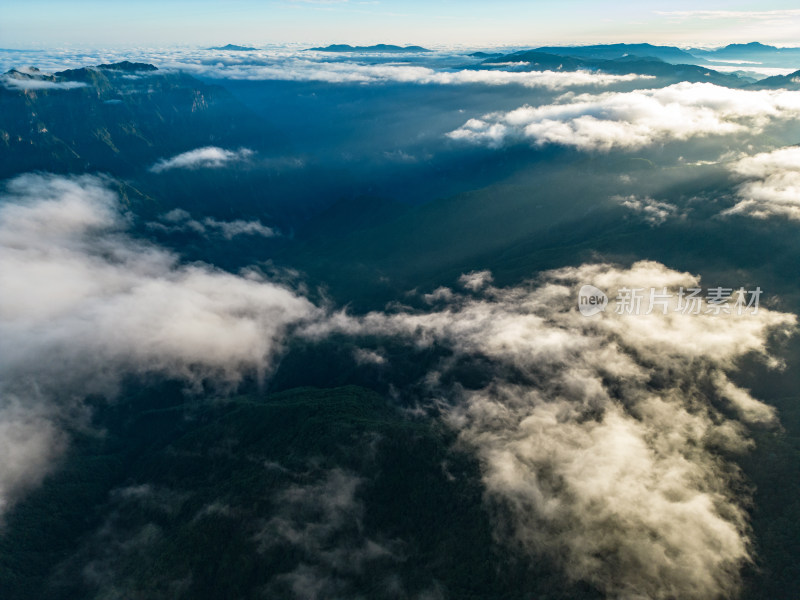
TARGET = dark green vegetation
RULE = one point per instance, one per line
(193, 499)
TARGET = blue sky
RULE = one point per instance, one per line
(49, 23)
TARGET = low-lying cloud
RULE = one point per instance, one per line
(33, 85)
(631, 120)
(290, 68)
(321, 523)
(602, 441)
(208, 157)
(600, 438)
(85, 304)
(771, 185)
(181, 220)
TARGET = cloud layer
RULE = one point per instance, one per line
(292, 64)
(85, 304)
(631, 120)
(771, 185)
(602, 441)
(600, 438)
(350, 72)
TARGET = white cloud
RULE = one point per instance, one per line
(476, 280)
(293, 64)
(599, 438)
(24, 83)
(772, 184)
(630, 120)
(299, 69)
(652, 211)
(368, 357)
(84, 304)
(181, 220)
(208, 157)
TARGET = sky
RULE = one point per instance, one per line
(31, 24)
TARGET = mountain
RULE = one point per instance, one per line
(539, 61)
(754, 52)
(667, 72)
(387, 48)
(127, 66)
(790, 82)
(115, 118)
(83, 74)
(751, 48)
(232, 48)
(485, 54)
(668, 54)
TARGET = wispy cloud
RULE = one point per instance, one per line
(739, 15)
(181, 220)
(652, 211)
(208, 157)
(322, 524)
(26, 84)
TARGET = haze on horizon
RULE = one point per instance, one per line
(29, 24)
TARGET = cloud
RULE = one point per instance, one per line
(476, 280)
(85, 304)
(652, 211)
(772, 184)
(209, 157)
(30, 84)
(290, 64)
(321, 524)
(300, 69)
(181, 220)
(602, 441)
(631, 120)
(739, 15)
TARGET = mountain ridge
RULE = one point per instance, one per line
(388, 48)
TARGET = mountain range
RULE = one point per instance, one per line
(114, 117)
(379, 48)
(233, 48)
(754, 52)
(536, 60)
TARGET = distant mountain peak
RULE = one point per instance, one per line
(128, 66)
(26, 73)
(751, 46)
(670, 54)
(232, 48)
(376, 48)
